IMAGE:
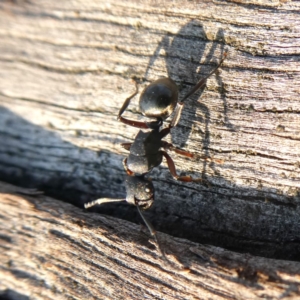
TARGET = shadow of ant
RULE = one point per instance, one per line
(194, 39)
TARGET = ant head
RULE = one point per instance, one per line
(158, 100)
(140, 191)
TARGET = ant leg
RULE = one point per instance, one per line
(126, 146)
(127, 101)
(211, 159)
(203, 80)
(172, 169)
(169, 146)
(128, 171)
(152, 231)
(137, 124)
(133, 123)
(177, 114)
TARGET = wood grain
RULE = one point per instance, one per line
(66, 68)
(59, 251)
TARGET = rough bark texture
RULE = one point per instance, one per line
(66, 68)
(59, 251)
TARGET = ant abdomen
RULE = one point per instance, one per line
(159, 99)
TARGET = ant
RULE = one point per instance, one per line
(157, 101)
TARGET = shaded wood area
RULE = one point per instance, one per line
(66, 69)
(59, 251)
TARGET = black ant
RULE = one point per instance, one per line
(158, 100)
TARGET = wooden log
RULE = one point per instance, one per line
(53, 250)
(66, 69)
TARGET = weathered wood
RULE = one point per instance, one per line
(65, 70)
(59, 251)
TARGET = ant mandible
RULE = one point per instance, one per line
(158, 101)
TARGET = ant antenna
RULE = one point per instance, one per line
(146, 221)
(100, 201)
(152, 231)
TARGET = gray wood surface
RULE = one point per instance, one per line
(59, 251)
(66, 68)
